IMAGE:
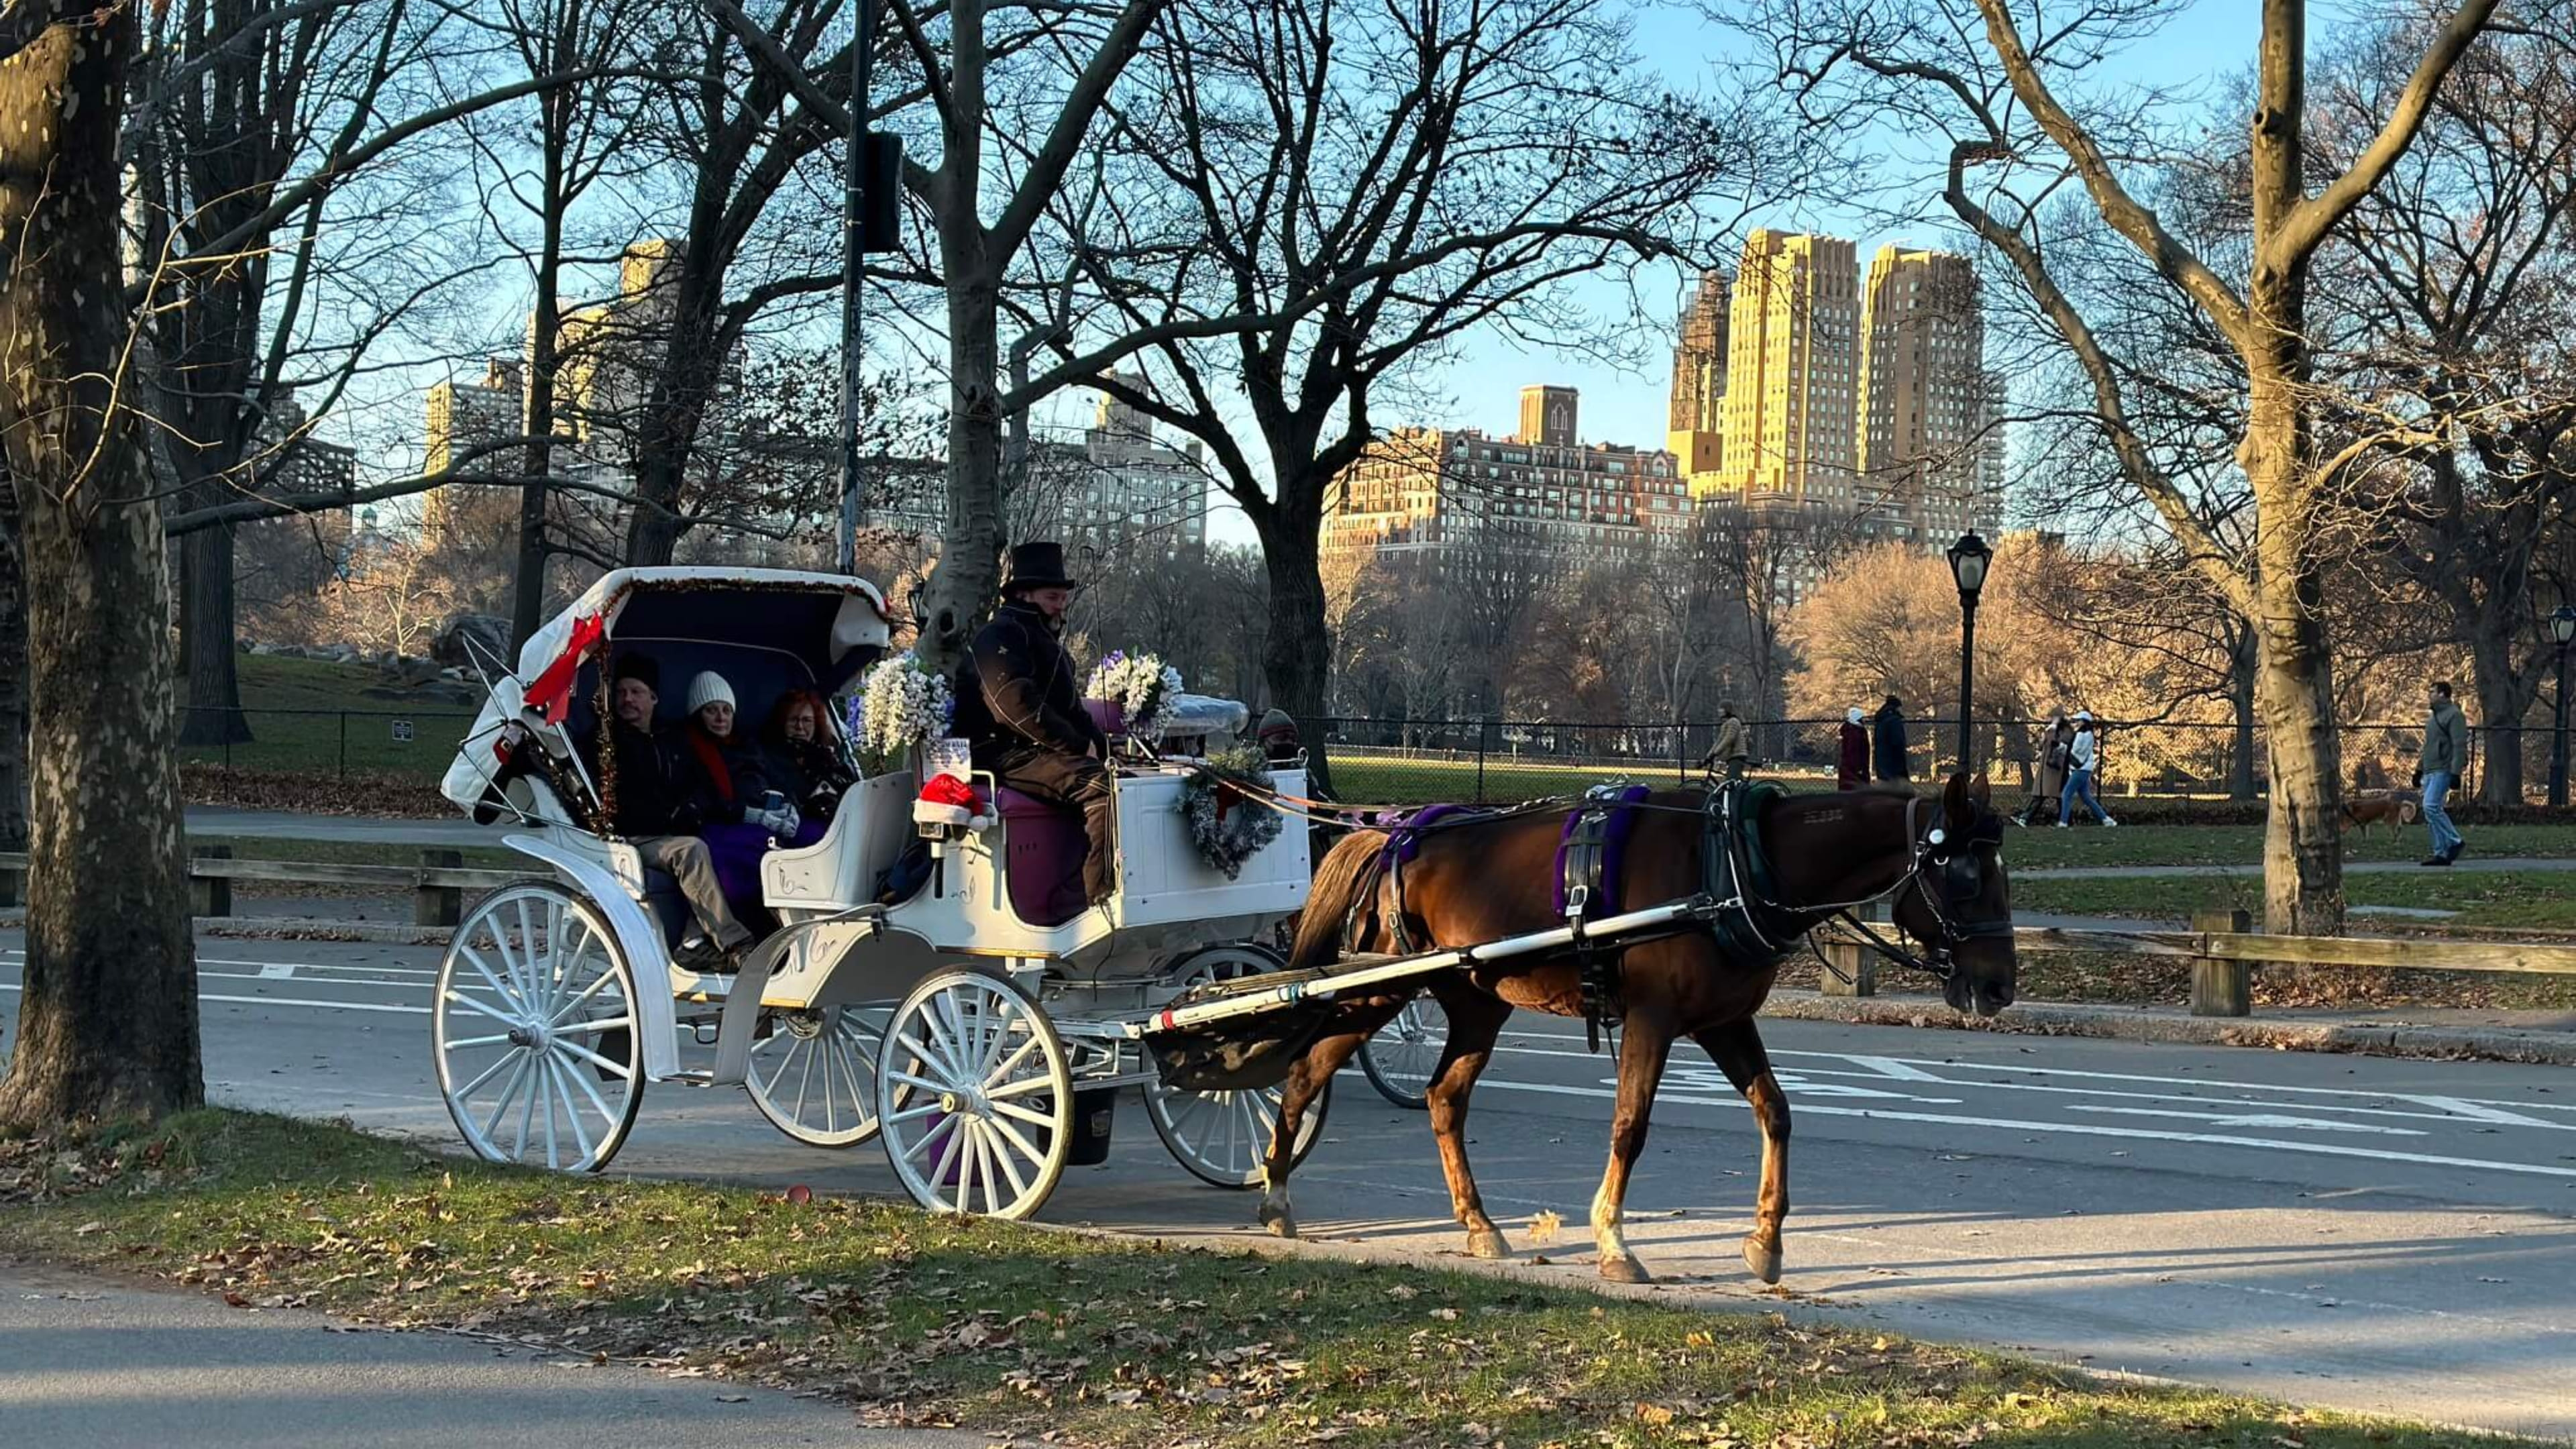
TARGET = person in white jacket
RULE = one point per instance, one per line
(2083, 760)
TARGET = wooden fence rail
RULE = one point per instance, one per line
(2222, 946)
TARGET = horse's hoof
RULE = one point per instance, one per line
(1625, 1269)
(1763, 1258)
(1280, 1222)
(1488, 1243)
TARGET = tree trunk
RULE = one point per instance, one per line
(968, 578)
(108, 1018)
(2294, 679)
(13, 677)
(2501, 701)
(1297, 654)
(528, 582)
(206, 633)
(2243, 662)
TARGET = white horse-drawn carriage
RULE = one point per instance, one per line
(980, 1022)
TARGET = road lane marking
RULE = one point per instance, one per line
(2202, 1082)
(274, 971)
(2074, 1129)
(287, 1001)
(1891, 1067)
(2478, 1110)
(2252, 1119)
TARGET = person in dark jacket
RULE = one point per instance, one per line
(2444, 759)
(806, 762)
(1888, 748)
(1851, 764)
(1731, 748)
(1278, 737)
(1020, 707)
(647, 786)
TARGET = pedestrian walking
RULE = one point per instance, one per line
(1888, 747)
(2083, 762)
(2438, 767)
(2056, 746)
(1851, 763)
(1730, 746)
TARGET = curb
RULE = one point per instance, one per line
(2135, 1024)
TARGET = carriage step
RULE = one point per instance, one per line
(692, 1077)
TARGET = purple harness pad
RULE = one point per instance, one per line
(1614, 849)
(1404, 832)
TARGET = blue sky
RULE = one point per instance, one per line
(1482, 386)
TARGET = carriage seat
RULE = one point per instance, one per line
(1042, 861)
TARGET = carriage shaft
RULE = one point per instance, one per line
(1609, 929)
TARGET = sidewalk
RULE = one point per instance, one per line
(90, 1361)
(2547, 1037)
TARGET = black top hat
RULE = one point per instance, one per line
(1037, 566)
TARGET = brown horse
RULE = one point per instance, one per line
(1479, 880)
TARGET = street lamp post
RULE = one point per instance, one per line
(1968, 560)
(2562, 627)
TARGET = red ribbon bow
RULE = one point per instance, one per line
(552, 691)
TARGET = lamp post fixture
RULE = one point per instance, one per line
(1968, 560)
(2562, 627)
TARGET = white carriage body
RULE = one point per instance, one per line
(837, 948)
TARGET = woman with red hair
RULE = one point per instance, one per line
(807, 762)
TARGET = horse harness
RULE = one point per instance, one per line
(1738, 883)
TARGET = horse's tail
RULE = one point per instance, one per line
(1348, 870)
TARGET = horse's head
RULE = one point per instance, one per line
(1958, 900)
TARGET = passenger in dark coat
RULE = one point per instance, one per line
(648, 784)
(806, 762)
(1888, 749)
(1020, 707)
(1851, 765)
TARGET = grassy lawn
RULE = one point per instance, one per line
(310, 716)
(2503, 899)
(2243, 844)
(1100, 1341)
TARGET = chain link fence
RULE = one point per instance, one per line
(413, 744)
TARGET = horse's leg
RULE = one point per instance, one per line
(1644, 1043)
(1475, 1020)
(1736, 1047)
(1305, 1081)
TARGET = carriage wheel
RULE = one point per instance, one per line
(1400, 1059)
(815, 1076)
(1223, 1137)
(534, 1031)
(974, 1097)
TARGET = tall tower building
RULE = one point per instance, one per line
(1791, 403)
(1698, 423)
(1929, 453)
(1547, 416)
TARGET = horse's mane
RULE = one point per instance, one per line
(1328, 905)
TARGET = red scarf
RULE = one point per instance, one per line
(711, 755)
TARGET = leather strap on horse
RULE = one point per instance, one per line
(1585, 857)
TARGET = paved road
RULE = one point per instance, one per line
(2376, 1234)
(92, 1363)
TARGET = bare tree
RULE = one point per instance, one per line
(13, 677)
(108, 1016)
(2001, 98)
(1358, 187)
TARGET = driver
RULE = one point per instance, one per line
(1020, 708)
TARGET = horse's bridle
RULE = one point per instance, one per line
(1952, 861)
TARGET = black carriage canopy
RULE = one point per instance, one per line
(764, 639)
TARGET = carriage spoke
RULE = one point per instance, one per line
(936, 1061)
(509, 1091)
(1016, 1139)
(1022, 1087)
(527, 1114)
(578, 1079)
(1020, 1113)
(1006, 1069)
(607, 974)
(477, 1041)
(951, 1142)
(803, 1082)
(470, 1004)
(528, 953)
(474, 959)
(557, 963)
(485, 1075)
(910, 1114)
(590, 1028)
(572, 1112)
(546, 1073)
(622, 1071)
(924, 1083)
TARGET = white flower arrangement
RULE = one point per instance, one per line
(902, 704)
(1142, 686)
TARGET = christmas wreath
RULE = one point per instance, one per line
(1227, 825)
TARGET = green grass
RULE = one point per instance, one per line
(310, 717)
(2047, 847)
(2504, 899)
(1101, 1341)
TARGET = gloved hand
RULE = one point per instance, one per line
(788, 820)
(779, 822)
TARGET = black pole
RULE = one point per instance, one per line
(853, 278)
(1967, 677)
(2558, 740)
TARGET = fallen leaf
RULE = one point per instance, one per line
(1545, 1225)
(1654, 1414)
